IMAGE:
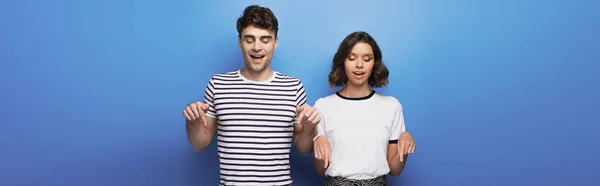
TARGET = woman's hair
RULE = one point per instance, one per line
(337, 76)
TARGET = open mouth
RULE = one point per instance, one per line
(257, 56)
(358, 73)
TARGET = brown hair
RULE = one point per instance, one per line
(260, 17)
(337, 76)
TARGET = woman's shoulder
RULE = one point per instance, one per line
(326, 99)
(387, 99)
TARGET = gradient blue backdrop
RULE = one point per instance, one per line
(495, 93)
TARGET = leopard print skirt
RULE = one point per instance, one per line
(340, 181)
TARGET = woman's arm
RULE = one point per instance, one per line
(322, 151)
(398, 151)
(396, 166)
(400, 144)
(320, 167)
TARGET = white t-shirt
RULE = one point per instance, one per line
(359, 131)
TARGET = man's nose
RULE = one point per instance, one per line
(256, 46)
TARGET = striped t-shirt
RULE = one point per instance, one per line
(255, 128)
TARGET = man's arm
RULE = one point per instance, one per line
(304, 132)
(201, 124)
(303, 139)
(200, 136)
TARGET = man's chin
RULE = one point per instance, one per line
(256, 67)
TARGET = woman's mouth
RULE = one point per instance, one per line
(358, 74)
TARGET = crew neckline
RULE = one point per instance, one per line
(357, 98)
(239, 72)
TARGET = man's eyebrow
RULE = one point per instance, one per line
(248, 37)
(266, 37)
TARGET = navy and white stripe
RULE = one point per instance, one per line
(255, 126)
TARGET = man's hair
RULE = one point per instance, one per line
(260, 17)
(379, 74)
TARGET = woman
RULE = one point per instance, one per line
(365, 129)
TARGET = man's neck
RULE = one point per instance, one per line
(351, 91)
(257, 76)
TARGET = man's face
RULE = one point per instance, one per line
(257, 47)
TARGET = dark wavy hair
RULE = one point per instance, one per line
(260, 17)
(337, 76)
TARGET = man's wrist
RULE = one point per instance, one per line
(306, 133)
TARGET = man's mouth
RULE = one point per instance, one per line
(257, 56)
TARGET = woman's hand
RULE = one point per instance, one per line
(406, 145)
(322, 150)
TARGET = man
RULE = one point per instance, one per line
(254, 110)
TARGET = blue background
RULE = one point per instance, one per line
(495, 92)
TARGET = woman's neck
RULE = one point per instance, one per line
(356, 91)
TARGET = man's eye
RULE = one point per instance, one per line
(266, 40)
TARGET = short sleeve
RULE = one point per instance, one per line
(300, 94)
(321, 125)
(397, 125)
(300, 97)
(209, 97)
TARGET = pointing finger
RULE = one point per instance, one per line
(401, 151)
(316, 149)
(313, 115)
(203, 117)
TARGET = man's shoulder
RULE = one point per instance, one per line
(228, 74)
(282, 76)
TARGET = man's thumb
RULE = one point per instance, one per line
(204, 107)
(299, 109)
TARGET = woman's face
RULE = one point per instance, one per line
(359, 64)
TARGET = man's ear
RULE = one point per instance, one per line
(239, 42)
(276, 43)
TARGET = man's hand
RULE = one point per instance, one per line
(406, 145)
(308, 117)
(322, 150)
(196, 111)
